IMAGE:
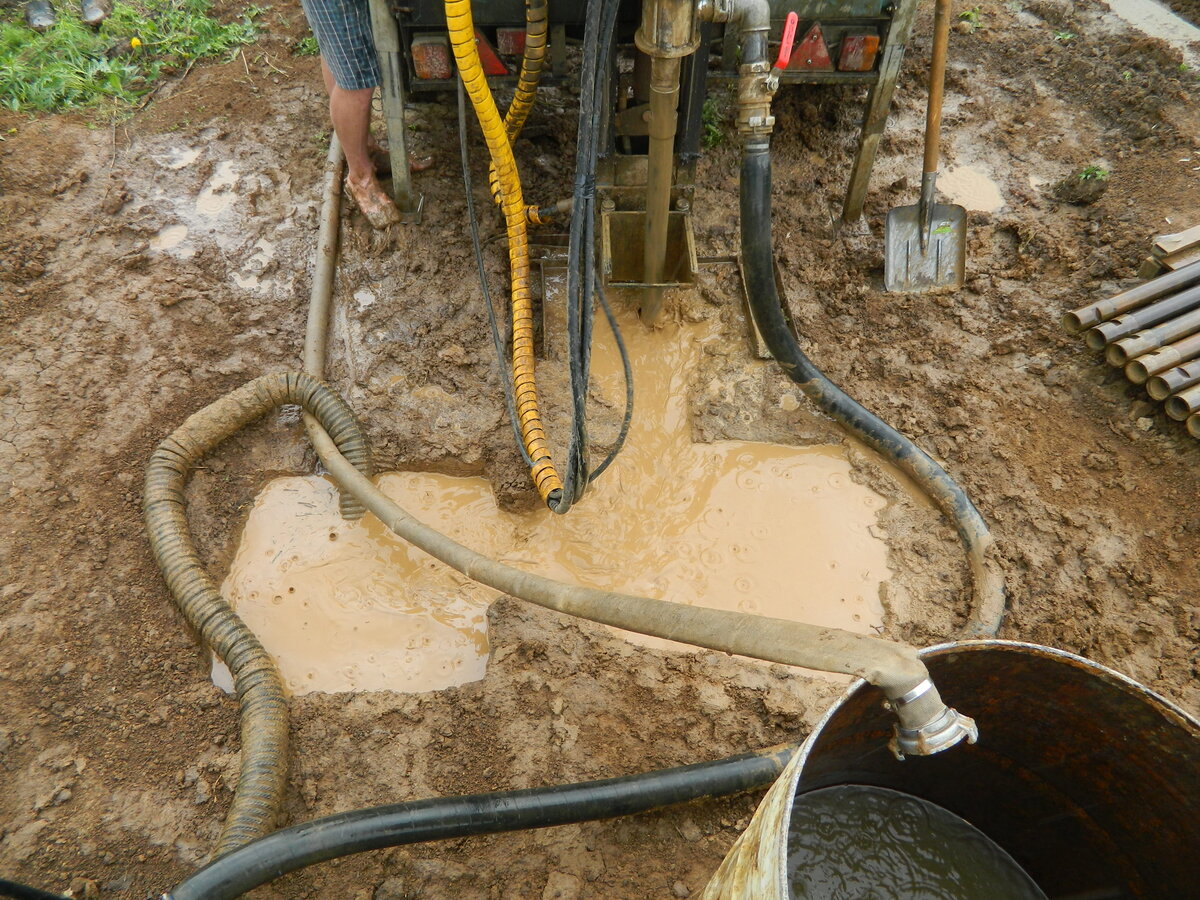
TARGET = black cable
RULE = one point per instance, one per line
(767, 310)
(620, 441)
(25, 892)
(451, 817)
(581, 262)
(501, 356)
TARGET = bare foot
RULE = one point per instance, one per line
(374, 203)
(381, 160)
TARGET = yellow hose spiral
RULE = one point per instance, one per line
(461, 26)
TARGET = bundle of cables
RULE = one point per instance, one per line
(582, 285)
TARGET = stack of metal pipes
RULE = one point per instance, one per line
(1153, 332)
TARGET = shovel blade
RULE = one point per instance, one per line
(941, 264)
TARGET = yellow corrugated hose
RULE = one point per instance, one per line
(461, 26)
(536, 25)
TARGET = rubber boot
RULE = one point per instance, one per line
(39, 15)
(92, 12)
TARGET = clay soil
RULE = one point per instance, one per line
(117, 752)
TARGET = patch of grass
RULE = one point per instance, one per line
(1127, 75)
(1065, 37)
(973, 17)
(1093, 173)
(306, 46)
(710, 119)
(72, 66)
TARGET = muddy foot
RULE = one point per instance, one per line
(374, 203)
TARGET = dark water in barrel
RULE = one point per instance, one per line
(866, 843)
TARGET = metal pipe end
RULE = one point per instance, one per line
(1177, 408)
(941, 733)
(1137, 372)
(1116, 354)
(1095, 338)
(1193, 425)
(1158, 388)
(1072, 322)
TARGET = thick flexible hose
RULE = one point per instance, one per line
(318, 305)
(765, 305)
(264, 714)
(461, 26)
(452, 817)
(537, 17)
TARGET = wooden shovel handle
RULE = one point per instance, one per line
(937, 79)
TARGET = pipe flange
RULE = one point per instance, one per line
(942, 733)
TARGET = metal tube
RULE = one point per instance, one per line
(1183, 404)
(1193, 426)
(1152, 338)
(1160, 387)
(1139, 370)
(1103, 310)
(1122, 327)
(664, 102)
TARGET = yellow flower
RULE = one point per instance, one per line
(134, 43)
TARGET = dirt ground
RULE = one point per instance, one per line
(116, 750)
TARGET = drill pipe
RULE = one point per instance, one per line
(1123, 351)
(1139, 370)
(1183, 404)
(1193, 426)
(1123, 326)
(1103, 310)
(1160, 387)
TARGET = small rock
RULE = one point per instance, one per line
(561, 886)
(84, 887)
(679, 889)
(1145, 423)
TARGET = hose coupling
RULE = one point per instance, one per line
(715, 10)
(940, 733)
(756, 89)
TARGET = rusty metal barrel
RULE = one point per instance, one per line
(1087, 779)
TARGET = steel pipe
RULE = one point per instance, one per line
(1121, 352)
(664, 104)
(1139, 370)
(1160, 387)
(1193, 426)
(1183, 404)
(1103, 310)
(1157, 313)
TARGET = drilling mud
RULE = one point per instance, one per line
(117, 752)
(762, 528)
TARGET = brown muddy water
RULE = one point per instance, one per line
(767, 529)
(867, 843)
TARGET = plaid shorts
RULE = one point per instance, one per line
(343, 32)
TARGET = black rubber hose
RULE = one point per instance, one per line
(767, 309)
(452, 817)
(25, 892)
(264, 712)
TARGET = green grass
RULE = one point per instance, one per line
(72, 66)
(972, 17)
(1065, 37)
(1093, 173)
(710, 121)
(306, 46)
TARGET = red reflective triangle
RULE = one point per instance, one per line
(492, 64)
(811, 54)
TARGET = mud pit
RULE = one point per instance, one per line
(147, 269)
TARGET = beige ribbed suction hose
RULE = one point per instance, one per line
(264, 714)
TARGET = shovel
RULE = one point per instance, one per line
(925, 246)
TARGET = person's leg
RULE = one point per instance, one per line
(351, 73)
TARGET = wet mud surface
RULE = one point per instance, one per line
(149, 268)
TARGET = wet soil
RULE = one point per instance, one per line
(116, 750)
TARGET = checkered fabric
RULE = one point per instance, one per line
(343, 32)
